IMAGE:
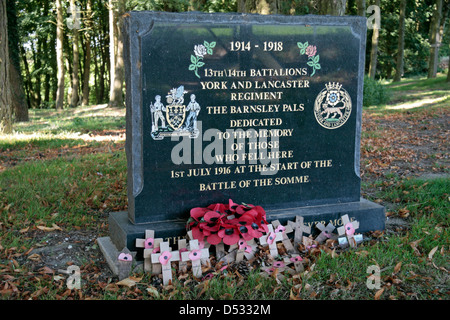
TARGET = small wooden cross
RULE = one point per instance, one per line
(244, 249)
(148, 243)
(195, 255)
(348, 230)
(182, 248)
(125, 262)
(271, 239)
(284, 230)
(299, 228)
(220, 251)
(165, 258)
(309, 243)
(297, 261)
(326, 232)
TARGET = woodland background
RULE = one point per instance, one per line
(63, 168)
(63, 54)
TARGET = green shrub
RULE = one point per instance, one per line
(374, 93)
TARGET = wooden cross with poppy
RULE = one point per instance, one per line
(271, 239)
(150, 244)
(348, 229)
(299, 228)
(165, 258)
(195, 255)
(326, 232)
(244, 249)
(297, 261)
(124, 263)
(284, 230)
(182, 247)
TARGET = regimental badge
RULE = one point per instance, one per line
(333, 106)
(181, 119)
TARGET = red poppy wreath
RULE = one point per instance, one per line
(227, 222)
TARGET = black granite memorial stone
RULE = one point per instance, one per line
(258, 109)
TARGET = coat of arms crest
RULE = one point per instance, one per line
(175, 113)
(333, 106)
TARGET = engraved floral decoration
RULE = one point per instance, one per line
(200, 51)
(310, 51)
(227, 223)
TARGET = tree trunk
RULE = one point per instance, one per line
(374, 48)
(448, 71)
(27, 80)
(76, 57)
(116, 92)
(361, 7)
(19, 103)
(331, 7)
(5, 90)
(434, 40)
(37, 64)
(59, 55)
(448, 74)
(259, 6)
(401, 42)
(87, 55)
(112, 46)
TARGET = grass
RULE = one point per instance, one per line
(415, 94)
(81, 176)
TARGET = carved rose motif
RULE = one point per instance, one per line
(200, 50)
(311, 51)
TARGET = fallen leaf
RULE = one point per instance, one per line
(432, 252)
(293, 296)
(24, 230)
(129, 282)
(334, 254)
(397, 267)
(362, 253)
(378, 294)
(414, 246)
(152, 290)
(112, 287)
(58, 278)
(46, 269)
(47, 229)
(403, 213)
(34, 257)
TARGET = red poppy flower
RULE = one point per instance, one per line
(198, 213)
(214, 238)
(248, 228)
(197, 233)
(243, 208)
(125, 257)
(149, 243)
(229, 234)
(349, 229)
(296, 259)
(164, 258)
(232, 206)
(218, 207)
(213, 217)
(195, 255)
(227, 222)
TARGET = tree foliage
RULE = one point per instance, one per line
(36, 26)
